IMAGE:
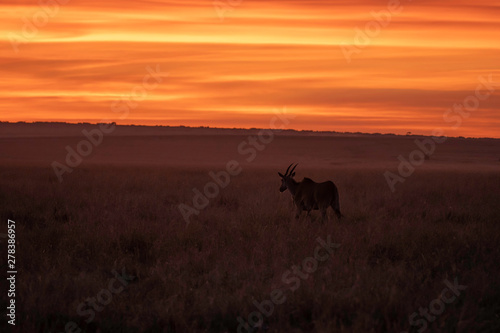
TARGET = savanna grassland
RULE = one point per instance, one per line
(120, 213)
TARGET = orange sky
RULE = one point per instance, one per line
(77, 60)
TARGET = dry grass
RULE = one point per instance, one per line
(396, 250)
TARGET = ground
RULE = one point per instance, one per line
(112, 234)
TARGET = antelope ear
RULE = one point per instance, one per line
(293, 174)
(281, 175)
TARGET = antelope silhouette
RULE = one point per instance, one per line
(308, 195)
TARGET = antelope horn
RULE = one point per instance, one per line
(286, 173)
(291, 171)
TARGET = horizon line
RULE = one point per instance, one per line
(408, 134)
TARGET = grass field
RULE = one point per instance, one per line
(397, 250)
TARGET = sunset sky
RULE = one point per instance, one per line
(232, 63)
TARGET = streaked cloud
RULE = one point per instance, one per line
(263, 56)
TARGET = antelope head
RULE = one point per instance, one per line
(287, 178)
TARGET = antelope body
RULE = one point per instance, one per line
(308, 195)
